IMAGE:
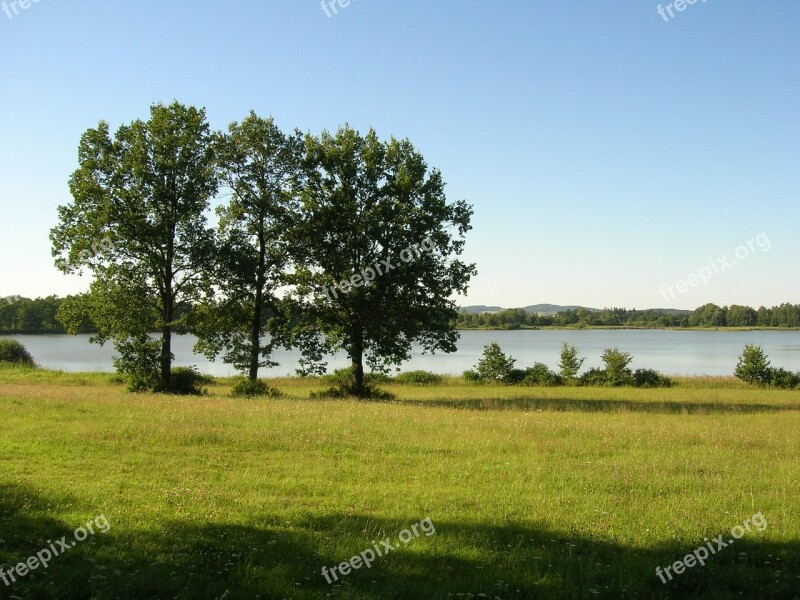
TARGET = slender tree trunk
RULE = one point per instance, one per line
(357, 357)
(255, 329)
(166, 356)
(168, 301)
(255, 336)
(166, 340)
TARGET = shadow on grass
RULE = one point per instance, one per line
(573, 405)
(279, 560)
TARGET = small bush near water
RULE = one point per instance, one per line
(11, 351)
(418, 378)
(496, 367)
(187, 381)
(247, 388)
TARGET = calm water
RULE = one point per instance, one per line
(671, 352)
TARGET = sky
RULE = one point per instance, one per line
(613, 156)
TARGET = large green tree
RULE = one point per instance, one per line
(376, 247)
(258, 165)
(138, 224)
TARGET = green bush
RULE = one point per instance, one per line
(594, 377)
(783, 379)
(515, 376)
(648, 378)
(617, 371)
(495, 365)
(570, 363)
(139, 361)
(418, 378)
(370, 392)
(540, 374)
(247, 388)
(11, 351)
(471, 376)
(345, 378)
(753, 366)
(185, 381)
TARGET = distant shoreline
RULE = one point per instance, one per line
(519, 328)
(618, 327)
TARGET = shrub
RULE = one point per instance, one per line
(570, 362)
(248, 388)
(617, 371)
(648, 378)
(516, 376)
(540, 374)
(139, 361)
(418, 378)
(753, 366)
(370, 392)
(495, 365)
(185, 381)
(344, 377)
(11, 351)
(594, 376)
(471, 376)
(783, 379)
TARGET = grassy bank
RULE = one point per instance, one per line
(534, 492)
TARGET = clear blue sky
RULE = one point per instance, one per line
(606, 151)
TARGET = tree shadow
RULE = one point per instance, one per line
(276, 559)
(566, 404)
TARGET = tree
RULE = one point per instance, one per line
(617, 371)
(741, 316)
(495, 365)
(145, 191)
(376, 247)
(753, 366)
(258, 164)
(570, 362)
(708, 315)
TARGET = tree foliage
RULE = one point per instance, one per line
(146, 189)
(570, 363)
(753, 366)
(494, 365)
(361, 281)
(617, 371)
(258, 165)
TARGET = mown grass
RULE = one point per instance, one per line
(534, 492)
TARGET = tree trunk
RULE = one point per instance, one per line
(255, 338)
(166, 356)
(168, 301)
(357, 357)
(255, 328)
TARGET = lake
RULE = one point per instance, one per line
(671, 352)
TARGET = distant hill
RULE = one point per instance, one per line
(542, 309)
(551, 309)
(480, 308)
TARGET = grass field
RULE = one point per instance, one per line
(533, 492)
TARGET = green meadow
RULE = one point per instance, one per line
(566, 492)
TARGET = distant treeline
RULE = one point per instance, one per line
(26, 315)
(708, 315)
(38, 315)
